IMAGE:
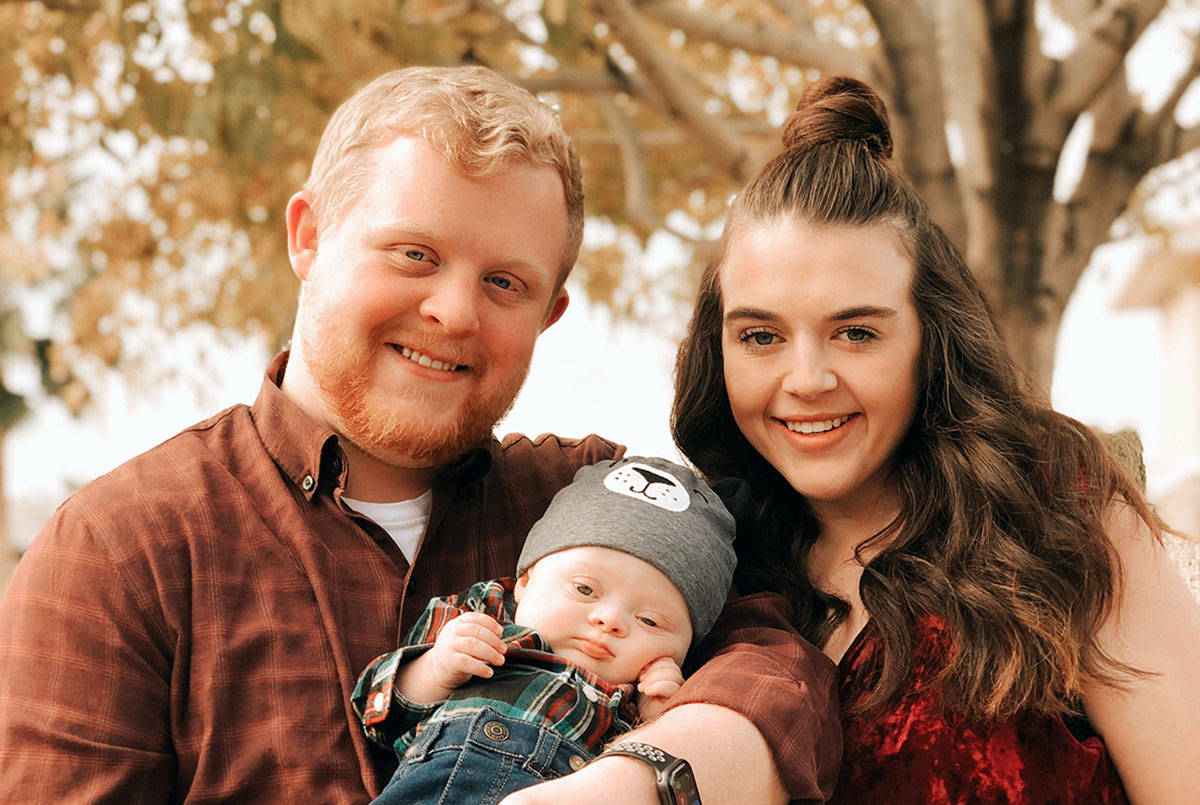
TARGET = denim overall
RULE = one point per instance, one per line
(479, 757)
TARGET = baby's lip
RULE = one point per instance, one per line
(594, 648)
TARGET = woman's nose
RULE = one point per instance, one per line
(810, 373)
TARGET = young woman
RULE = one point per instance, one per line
(993, 587)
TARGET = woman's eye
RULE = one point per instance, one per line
(759, 338)
(583, 589)
(858, 335)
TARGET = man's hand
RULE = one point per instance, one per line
(626, 780)
(657, 682)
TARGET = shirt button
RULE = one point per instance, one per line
(496, 731)
(576, 762)
(308, 483)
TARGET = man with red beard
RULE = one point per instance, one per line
(190, 626)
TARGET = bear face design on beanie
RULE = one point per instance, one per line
(655, 485)
(651, 508)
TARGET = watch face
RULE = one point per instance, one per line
(683, 786)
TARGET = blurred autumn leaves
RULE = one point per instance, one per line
(148, 149)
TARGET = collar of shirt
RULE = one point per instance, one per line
(308, 451)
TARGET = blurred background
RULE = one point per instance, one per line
(148, 149)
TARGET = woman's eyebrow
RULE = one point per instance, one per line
(758, 314)
(864, 312)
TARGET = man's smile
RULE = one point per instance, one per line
(428, 362)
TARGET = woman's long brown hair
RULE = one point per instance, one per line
(1002, 499)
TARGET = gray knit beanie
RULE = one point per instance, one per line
(655, 510)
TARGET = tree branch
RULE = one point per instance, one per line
(914, 96)
(65, 5)
(1074, 229)
(1187, 140)
(1155, 137)
(1104, 40)
(671, 84)
(565, 79)
(1165, 116)
(673, 137)
(796, 11)
(496, 12)
(1119, 157)
(1112, 110)
(633, 165)
(796, 45)
(969, 89)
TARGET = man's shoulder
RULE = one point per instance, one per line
(144, 505)
(546, 462)
(518, 446)
(209, 442)
(518, 453)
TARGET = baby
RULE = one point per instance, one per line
(513, 682)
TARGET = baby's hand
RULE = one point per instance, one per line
(657, 682)
(467, 646)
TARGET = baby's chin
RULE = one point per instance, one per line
(591, 665)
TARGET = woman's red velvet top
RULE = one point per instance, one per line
(910, 751)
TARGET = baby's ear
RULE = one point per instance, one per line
(519, 588)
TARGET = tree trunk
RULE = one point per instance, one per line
(1031, 333)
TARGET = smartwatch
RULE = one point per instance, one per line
(676, 785)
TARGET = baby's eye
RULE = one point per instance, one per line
(413, 253)
(653, 624)
(584, 589)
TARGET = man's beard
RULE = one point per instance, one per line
(398, 434)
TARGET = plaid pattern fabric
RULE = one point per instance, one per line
(190, 626)
(533, 684)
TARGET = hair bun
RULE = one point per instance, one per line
(838, 109)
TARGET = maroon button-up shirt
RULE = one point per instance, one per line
(190, 626)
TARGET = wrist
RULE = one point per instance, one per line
(632, 777)
(420, 682)
(674, 782)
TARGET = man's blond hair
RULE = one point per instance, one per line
(478, 120)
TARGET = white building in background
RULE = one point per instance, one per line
(1168, 279)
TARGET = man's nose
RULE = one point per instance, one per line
(453, 303)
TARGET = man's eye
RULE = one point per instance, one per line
(583, 589)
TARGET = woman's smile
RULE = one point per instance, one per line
(820, 342)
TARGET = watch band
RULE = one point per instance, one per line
(673, 775)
